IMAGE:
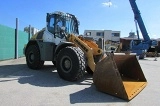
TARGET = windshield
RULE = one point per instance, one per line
(69, 22)
(71, 25)
(59, 22)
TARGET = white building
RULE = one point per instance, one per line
(108, 35)
(33, 30)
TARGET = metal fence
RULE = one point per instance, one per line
(14, 35)
(11, 43)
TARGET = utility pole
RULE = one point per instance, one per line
(29, 32)
(16, 39)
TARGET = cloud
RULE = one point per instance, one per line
(107, 4)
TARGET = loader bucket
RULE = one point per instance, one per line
(120, 76)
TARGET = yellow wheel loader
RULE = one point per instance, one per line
(59, 42)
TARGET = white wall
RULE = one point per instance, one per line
(108, 34)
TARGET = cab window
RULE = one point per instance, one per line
(51, 25)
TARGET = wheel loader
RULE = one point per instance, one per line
(72, 54)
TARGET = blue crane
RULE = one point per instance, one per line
(139, 46)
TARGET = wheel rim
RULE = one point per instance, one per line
(31, 57)
(66, 64)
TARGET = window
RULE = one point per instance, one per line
(116, 34)
(88, 34)
(100, 33)
(51, 25)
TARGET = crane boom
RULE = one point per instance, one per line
(137, 16)
(138, 46)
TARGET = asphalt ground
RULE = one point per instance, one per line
(21, 86)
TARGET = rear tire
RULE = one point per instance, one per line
(33, 57)
(70, 64)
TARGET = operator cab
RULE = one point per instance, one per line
(59, 22)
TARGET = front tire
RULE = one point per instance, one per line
(70, 64)
(33, 57)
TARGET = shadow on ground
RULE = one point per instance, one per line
(48, 77)
(91, 95)
(45, 77)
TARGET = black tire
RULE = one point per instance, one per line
(142, 56)
(33, 57)
(70, 64)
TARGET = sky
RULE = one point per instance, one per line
(115, 15)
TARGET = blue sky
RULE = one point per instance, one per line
(92, 14)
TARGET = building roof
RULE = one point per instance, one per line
(128, 38)
(158, 39)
